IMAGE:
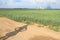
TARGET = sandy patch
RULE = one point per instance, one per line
(33, 32)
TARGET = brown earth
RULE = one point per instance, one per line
(32, 33)
(42, 38)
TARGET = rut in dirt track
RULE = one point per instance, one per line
(33, 32)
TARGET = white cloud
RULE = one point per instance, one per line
(11, 3)
(36, 1)
(51, 0)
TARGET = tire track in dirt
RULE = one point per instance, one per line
(7, 25)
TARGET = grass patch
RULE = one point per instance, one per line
(55, 28)
(46, 17)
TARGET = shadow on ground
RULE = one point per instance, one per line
(13, 33)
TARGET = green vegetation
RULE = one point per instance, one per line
(46, 17)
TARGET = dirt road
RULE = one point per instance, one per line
(33, 32)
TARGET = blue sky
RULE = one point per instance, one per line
(29, 3)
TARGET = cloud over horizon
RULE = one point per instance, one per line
(26, 3)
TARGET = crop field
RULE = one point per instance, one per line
(46, 17)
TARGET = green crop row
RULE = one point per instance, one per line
(46, 17)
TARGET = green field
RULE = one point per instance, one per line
(46, 17)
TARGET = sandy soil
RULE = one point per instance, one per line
(32, 33)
